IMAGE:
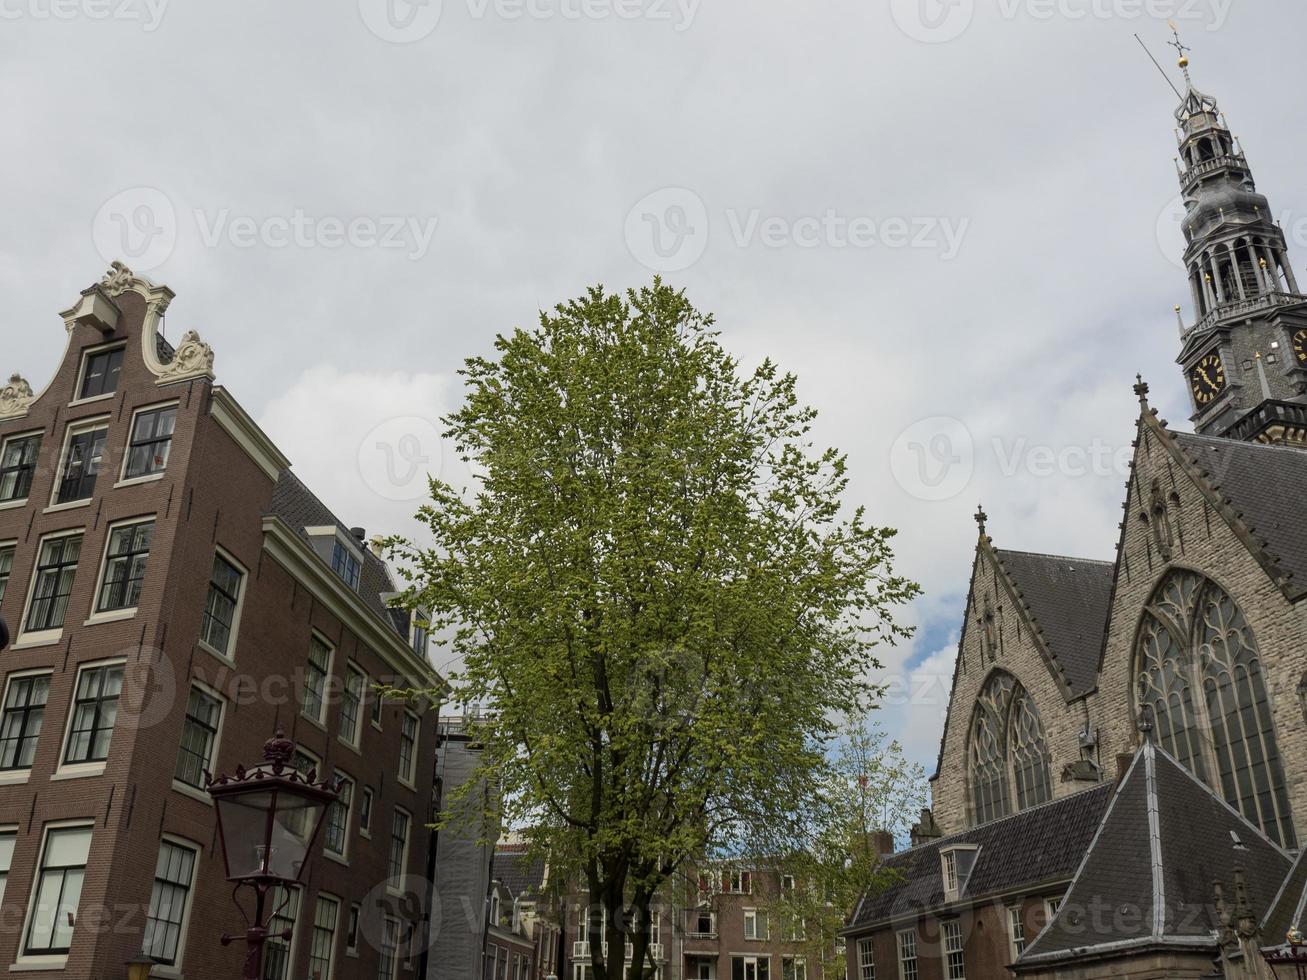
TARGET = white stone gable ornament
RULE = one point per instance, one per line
(194, 359)
(15, 397)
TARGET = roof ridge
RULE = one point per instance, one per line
(1044, 554)
(1240, 443)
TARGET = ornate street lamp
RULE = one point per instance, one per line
(139, 966)
(1291, 956)
(268, 819)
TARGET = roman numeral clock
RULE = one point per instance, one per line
(1207, 377)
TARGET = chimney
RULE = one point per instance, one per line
(881, 843)
(361, 536)
(927, 830)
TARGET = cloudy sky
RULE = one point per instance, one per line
(955, 221)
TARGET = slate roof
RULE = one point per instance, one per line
(519, 872)
(1147, 877)
(1266, 485)
(1069, 599)
(1290, 906)
(1042, 844)
(299, 507)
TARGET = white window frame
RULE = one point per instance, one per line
(13, 777)
(229, 657)
(1016, 930)
(949, 869)
(1051, 907)
(408, 847)
(343, 856)
(79, 770)
(8, 830)
(365, 830)
(323, 712)
(756, 916)
(87, 353)
(905, 942)
(42, 638)
(355, 917)
(4, 446)
(352, 666)
(5, 544)
(295, 925)
(409, 779)
(130, 481)
(953, 945)
(176, 969)
(54, 961)
(114, 615)
(72, 429)
(867, 958)
(185, 788)
(341, 918)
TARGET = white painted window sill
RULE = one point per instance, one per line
(114, 616)
(135, 481)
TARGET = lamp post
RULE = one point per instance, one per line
(1292, 955)
(268, 819)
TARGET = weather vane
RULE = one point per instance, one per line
(1180, 46)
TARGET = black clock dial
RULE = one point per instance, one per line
(1207, 378)
(1300, 346)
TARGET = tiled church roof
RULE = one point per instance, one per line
(1039, 845)
(1265, 484)
(1068, 598)
(1147, 878)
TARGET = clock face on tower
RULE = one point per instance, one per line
(1300, 346)
(1207, 378)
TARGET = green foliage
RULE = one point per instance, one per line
(655, 590)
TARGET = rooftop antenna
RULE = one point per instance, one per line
(1161, 69)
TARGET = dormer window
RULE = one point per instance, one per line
(346, 565)
(419, 638)
(956, 865)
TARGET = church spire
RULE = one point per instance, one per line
(1247, 306)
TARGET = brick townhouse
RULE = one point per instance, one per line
(174, 595)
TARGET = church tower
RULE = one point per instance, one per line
(1245, 354)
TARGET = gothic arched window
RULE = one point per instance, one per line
(1007, 750)
(1199, 671)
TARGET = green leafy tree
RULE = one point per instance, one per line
(873, 793)
(656, 592)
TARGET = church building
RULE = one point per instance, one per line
(1122, 779)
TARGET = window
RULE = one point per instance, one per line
(7, 840)
(82, 461)
(365, 811)
(866, 959)
(58, 891)
(738, 882)
(377, 701)
(793, 968)
(1016, 930)
(351, 704)
(95, 710)
(1009, 755)
(954, 965)
(389, 948)
(124, 566)
(419, 639)
(199, 738)
(276, 950)
(336, 833)
(907, 955)
(147, 454)
(957, 863)
(398, 845)
(100, 373)
(220, 608)
(352, 929)
(346, 564)
(1200, 675)
(704, 922)
(17, 466)
(1051, 906)
(408, 742)
(6, 566)
(315, 679)
(53, 582)
(950, 872)
(787, 884)
(1032, 767)
(25, 698)
(755, 924)
(323, 945)
(169, 900)
(750, 968)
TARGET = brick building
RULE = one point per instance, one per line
(1122, 779)
(174, 594)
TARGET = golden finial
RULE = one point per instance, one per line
(1181, 47)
